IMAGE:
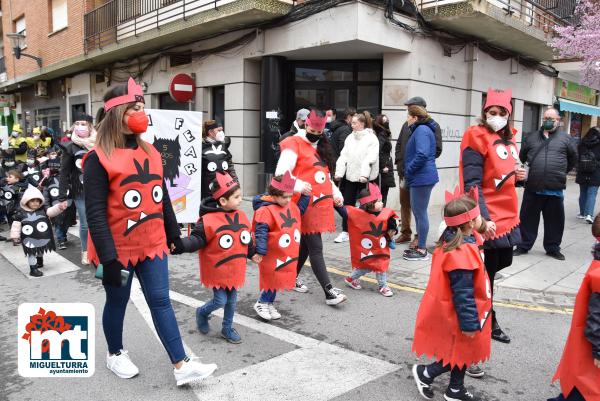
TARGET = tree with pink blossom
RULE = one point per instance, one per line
(582, 41)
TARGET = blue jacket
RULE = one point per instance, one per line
(419, 160)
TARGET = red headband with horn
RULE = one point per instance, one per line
(287, 183)
(374, 195)
(455, 221)
(226, 183)
(134, 94)
(315, 122)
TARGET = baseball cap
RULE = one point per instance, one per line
(417, 101)
(302, 114)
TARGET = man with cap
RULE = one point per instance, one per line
(405, 209)
(298, 123)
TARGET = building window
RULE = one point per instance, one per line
(531, 117)
(218, 104)
(59, 15)
(165, 102)
(20, 28)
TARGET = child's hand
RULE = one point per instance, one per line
(338, 202)
(597, 363)
(63, 205)
(469, 334)
(307, 189)
(257, 258)
(177, 247)
(391, 233)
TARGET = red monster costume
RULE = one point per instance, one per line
(500, 157)
(223, 259)
(437, 329)
(576, 368)
(134, 205)
(368, 243)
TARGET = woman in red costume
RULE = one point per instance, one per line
(308, 157)
(130, 221)
(452, 323)
(489, 162)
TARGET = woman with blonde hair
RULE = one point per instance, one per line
(132, 225)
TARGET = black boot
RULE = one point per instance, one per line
(40, 262)
(34, 272)
(497, 333)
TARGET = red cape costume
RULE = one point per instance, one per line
(437, 329)
(223, 259)
(134, 205)
(368, 242)
(318, 218)
(498, 182)
(278, 266)
(576, 368)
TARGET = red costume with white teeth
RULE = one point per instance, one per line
(368, 242)
(134, 206)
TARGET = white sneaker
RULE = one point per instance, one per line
(335, 297)
(262, 310)
(274, 312)
(192, 370)
(300, 286)
(121, 365)
(589, 219)
(342, 237)
(84, 258)
(580, 216)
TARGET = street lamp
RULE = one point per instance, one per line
(17, 41)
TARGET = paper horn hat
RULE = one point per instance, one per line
(286, 184)
(455, 221)
(374, 195)
(226, 183)
(499, 98)
(315, 122)
(134, 94)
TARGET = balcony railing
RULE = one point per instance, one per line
(541, 14)
(120, 19)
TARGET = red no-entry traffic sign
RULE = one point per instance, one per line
(182, 88)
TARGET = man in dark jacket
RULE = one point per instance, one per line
(297, 125)
(549, 154)
(405, 209)
(341, 129)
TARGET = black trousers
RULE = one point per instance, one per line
(311, 246)
(496, 260)
(552, 208)
(457, 375)
(350, 190)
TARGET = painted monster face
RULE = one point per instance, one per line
(289, 236)
(321, 187)
(216, 159)
(9, 197)
(504, 158)
(373, 243)
(142, 195)
(233, 238)
(36, 233)
(78, 156)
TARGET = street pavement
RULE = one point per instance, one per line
(360, 350)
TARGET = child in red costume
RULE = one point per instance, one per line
(276, 227)
(452, 323)
(223, 237)
(371, 228)
(579, 368)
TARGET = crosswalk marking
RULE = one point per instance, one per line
(54, 263)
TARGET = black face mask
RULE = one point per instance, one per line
(313, 137)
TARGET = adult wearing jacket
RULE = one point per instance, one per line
(405, 210)
(83, 140)
(215, 155)
(37, 142)
(386, 164)
(550, 155)
(18, 143)
(357, 164)
(341, 129)
(297, 125)
(420, 174)
(588, 173)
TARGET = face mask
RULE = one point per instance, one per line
(329, 119)
(15, 134)
(9, 164)
(548, 125)
(138, 122)
(220, 136)
(69, 135)
(313, 137)
(82, 131)
(497, 122)
(36, 137)
(30, 162)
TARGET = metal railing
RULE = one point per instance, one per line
(120, 19)
(541, 14)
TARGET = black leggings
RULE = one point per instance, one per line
(496, 260)
(350, 190)
(311, 246)
(457, 376)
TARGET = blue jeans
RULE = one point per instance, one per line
(226, 299)
(381, 276)
(153, 275)
(267, 296)
(419, 201)
(587, 199)
(83, 227)
(61, 233)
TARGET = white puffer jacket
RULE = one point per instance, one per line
(360, 156)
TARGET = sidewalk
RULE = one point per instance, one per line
(533, 279)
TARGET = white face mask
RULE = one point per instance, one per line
(497, 122)
(220, 136)
(329, 119)
(15, 134)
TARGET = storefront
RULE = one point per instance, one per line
(578, 107)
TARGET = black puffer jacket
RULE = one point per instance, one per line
(71, 174)
(590, 142)
(385, 156)
(339, 136)
(548, 171)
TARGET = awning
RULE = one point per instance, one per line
(576, 107)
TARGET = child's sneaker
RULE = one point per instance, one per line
(202, 322)
(192, 370)
(414, 254)
(84, 258)
(475, 371)
(34, 272)
(121, 365)
(40, 262)
(62, 245)
(422, 382)
(352, 283)
(231, 335)
(460, 395)
(300, 286)
(334, 297)
(385, 291)
(262, 310)
(274, 312)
